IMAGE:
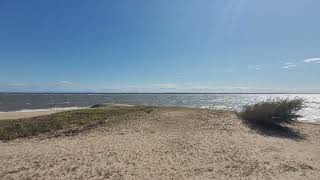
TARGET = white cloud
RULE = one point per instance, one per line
(65, 82)
(228, 70)
(289, 65)
(312, 60)
(255, 67)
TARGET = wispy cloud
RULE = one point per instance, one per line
(157, 88)
(166, 86)
(312, 60)
(255, 67)
(17, 84)
(62, 86)
(180, 75)
(228, 70)
(289, 65)
(65, 82)
(292, 65)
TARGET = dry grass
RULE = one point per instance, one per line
(272, 112)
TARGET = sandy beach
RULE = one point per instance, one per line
(167, 143)
(32, 113)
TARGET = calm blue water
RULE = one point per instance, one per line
(16, 102)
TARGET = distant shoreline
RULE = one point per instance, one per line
(28, 113)
(145, 93)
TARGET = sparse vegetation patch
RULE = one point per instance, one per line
(69, 121)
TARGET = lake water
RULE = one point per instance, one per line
(18, 102)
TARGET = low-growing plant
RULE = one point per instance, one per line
(272, 111)
(69, 121)
(100, 106)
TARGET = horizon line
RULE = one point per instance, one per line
(159, 92)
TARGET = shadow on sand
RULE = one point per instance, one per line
(276, 131)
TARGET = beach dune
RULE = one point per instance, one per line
(167, 143)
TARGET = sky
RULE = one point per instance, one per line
(159, 46)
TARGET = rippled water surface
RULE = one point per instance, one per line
(16, 102)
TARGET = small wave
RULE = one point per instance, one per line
(310, 118)
(205, 107)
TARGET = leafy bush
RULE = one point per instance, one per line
(272, 111)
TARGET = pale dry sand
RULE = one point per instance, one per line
(168, 143)
(31, 113)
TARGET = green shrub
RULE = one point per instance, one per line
(100, 106)
(272, 111)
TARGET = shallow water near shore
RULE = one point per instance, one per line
(27, 102)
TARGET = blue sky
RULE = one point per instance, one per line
(160, 46)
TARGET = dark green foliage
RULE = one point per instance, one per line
(100, 106)
(77, 119)
(272, 111)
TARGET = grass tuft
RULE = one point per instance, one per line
(272, 112)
